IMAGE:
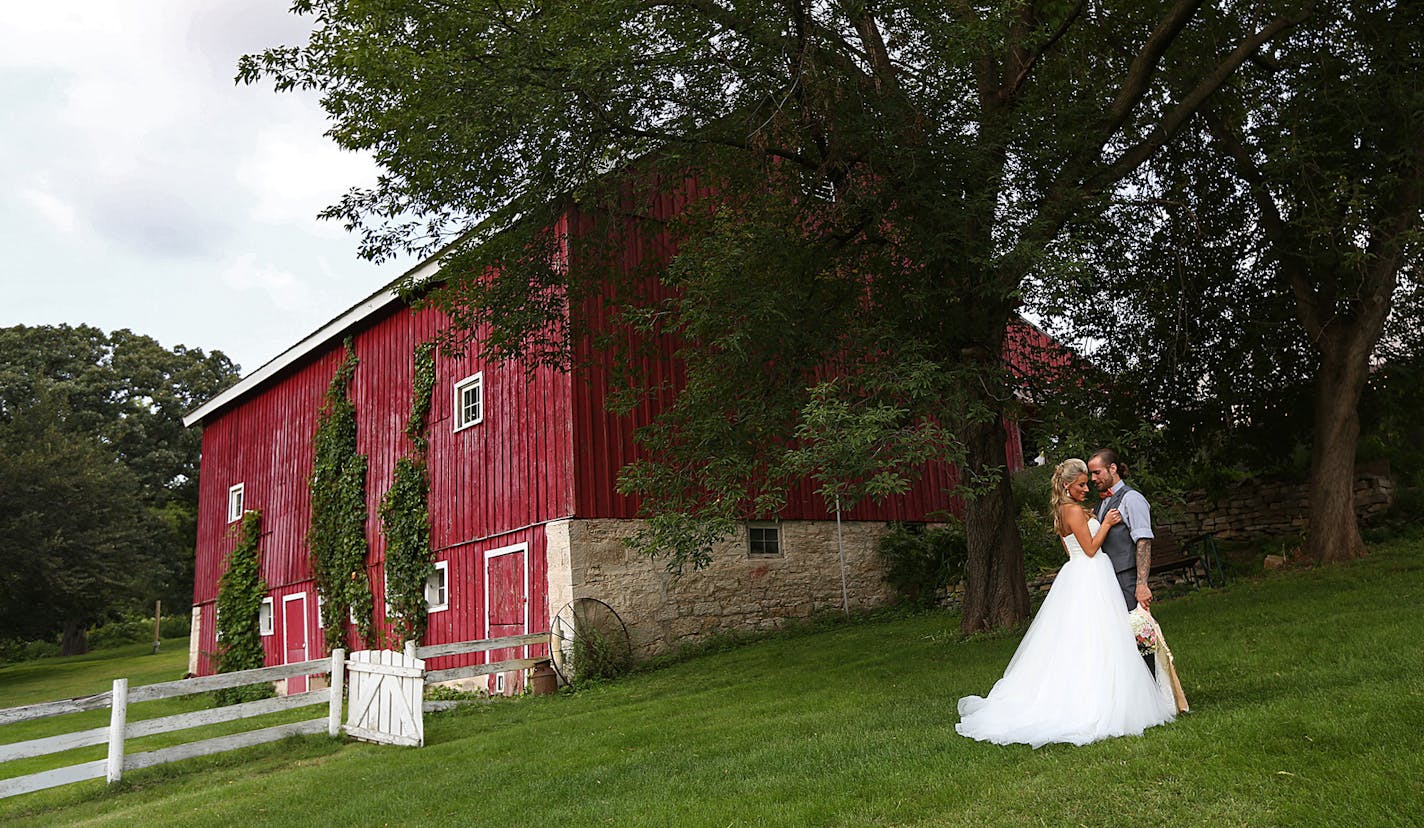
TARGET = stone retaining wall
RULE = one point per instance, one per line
(589, 558)
(1253, 510)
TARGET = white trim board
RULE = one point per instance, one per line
(366, 308)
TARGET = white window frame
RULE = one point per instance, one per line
(266, 621)
(217, 628)
(236, 503)
(780, 541)
(442, 589)
(475, 380)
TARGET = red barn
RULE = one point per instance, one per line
(524, 515)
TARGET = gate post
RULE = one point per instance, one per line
(333, 707)
(118, 716)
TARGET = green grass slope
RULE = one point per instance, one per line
(1308, 709)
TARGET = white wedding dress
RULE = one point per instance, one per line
(1077, 676)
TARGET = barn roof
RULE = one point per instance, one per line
(333, 330)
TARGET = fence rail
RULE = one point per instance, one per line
(120, 730)
(480, 645)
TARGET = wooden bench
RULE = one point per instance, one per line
(1197, 558)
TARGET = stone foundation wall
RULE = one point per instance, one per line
(1253, 510)
(588, 558)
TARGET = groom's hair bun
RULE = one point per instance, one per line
(1110, 458)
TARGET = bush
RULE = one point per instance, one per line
(118, 633)
(920, 562)
(40, 649)
(1042, 549)
(597, 656)
(137, 629)
(176, 626)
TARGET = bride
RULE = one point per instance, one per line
(1076, 676)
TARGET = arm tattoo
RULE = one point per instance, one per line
(1144, 559)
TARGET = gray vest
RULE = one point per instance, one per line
(1121, 549)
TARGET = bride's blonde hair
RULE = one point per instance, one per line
(1063, 476)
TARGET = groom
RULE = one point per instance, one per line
(1129, 543)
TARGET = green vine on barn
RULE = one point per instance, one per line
(337, 538)
(239, 609)
(405, 513)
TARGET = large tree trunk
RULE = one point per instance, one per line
(995, 591)
(1333, 534)
(76, 638)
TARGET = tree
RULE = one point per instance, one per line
(75, 536)
(121, 395)
(1276, 256)
(955, 140)
(1327, 143)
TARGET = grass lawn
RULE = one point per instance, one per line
(48, 679)
(1308, 710)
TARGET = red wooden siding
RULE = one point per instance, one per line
(547, 449)
(509, 472)
(465, 619)
(604, 442)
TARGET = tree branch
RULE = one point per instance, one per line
(1025, 68)
(1143, 67)
(1183, 111)
(882, 68)
(1278, 231)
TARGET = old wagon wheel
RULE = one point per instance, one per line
(587, 640)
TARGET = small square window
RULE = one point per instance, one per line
(319, 623)
(437, 588)
(469, 401)
(764, 540)
(264, 617)
(234, 503)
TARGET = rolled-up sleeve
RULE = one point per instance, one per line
(1136, 514)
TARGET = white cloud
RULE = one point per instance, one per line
(158, 195)
(53, 209)
(293, 172)
(285, 290)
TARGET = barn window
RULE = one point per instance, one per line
(437, 588)
(234, 503)
(264, 617)
(469, 401)
(764, 540)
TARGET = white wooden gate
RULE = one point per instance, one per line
(387, 689)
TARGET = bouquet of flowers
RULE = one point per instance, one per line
(1144, 629)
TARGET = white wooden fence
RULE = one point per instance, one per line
(387, 707)
(120, 729)
(387, 689)
(482, 645)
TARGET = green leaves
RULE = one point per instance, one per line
(405, 514)
(240, 594)
(405, 523)
(98, 476)
(336, 540)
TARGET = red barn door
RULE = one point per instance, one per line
(294, 637)
(506, 610)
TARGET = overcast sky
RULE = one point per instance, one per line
(141, 188)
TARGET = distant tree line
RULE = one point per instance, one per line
(98, 476)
